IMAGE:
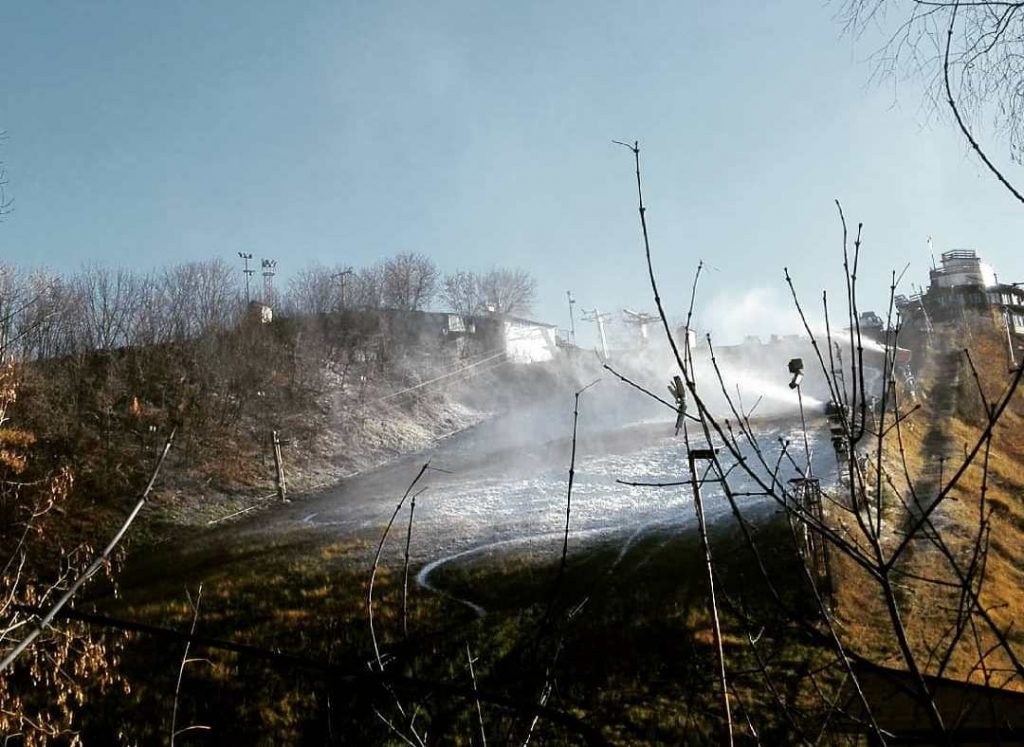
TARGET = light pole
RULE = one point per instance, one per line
(247, 272)
(268, 266)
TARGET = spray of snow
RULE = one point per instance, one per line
(731, 317)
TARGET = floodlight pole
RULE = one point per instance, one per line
(268, 266)
(247, 272)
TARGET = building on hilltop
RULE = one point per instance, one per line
(521, 340)
(962, 284)
(528, 341)
(260, 312)
(960, 268)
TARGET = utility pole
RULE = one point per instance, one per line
(248, 273)
(341, 278)
(268, 266)
(596, 316)
(572, 318)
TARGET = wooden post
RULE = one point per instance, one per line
(278, 467)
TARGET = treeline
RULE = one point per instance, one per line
(45, 315)
(410, 282)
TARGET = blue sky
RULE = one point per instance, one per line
(480, 134)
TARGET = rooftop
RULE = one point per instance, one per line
(955, 254)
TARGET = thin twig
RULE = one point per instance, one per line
(376, 562)
(181, 671)
(405, 572)
(479, 712)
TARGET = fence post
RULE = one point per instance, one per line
(279, 467)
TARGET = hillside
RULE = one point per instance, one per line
(962, 369)
(285, 584)
(342, 395)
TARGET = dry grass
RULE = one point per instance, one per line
(928, 610)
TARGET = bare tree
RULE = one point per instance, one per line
(501, 290)
(107, 300)
(879, 550)
(197, 297)
(313, 290)
(980, 43)
(148, 323)
(38, 322)
(505, 290)
(369, 287)
(410, 281)
(46, 665)
(12, 302)
(216, 295)
(461, 292)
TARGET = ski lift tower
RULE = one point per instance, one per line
(596, 316)
(639, 319)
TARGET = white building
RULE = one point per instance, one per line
(962, 267)
(964, 283)
(528, 341)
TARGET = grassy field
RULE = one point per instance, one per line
(623, 641)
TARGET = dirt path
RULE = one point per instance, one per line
(938, 443)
